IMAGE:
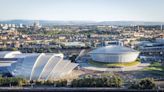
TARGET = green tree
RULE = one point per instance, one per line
(61, 83)
(48, 83)
(146, 83)
(72, 58)
(38, 83)
(88, 81)
(12, 81)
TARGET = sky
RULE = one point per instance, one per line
(83, 10)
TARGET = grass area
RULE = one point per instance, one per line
(155, 68)
(102, 64)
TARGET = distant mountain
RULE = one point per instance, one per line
(28, 22)
(130, 23)
(47, 22)
(17, 22)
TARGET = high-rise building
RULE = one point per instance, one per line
(161, 27)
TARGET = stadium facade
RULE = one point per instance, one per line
(114, 53)
(37, 66)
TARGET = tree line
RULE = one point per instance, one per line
(87, 81)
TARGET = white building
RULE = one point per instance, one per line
(73, 44)
(37, 66)
(115, 53)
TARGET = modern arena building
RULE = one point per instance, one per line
(36, 66)
(114, 54)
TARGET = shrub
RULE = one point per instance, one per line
(113, 81)
(146, 83)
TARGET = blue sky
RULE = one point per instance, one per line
(94, 10)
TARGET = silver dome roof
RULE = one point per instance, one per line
(112, 50)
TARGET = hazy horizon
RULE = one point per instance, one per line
(83, 10)
(78, 20)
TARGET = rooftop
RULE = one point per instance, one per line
(112, 50)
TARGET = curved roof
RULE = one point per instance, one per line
(8, 54)
(112, 50)
(40, 66)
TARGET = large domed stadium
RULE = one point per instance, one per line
(114, 54)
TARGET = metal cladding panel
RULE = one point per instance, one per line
(37, 66)
(40, 63)
(66, 70)
(114, 54)
(8, 54)
(27, 66)
(112, 50)
(15, 68)
(126, 57)
(49, 67)
(58, 69)
(11, 54)
(69, 68)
